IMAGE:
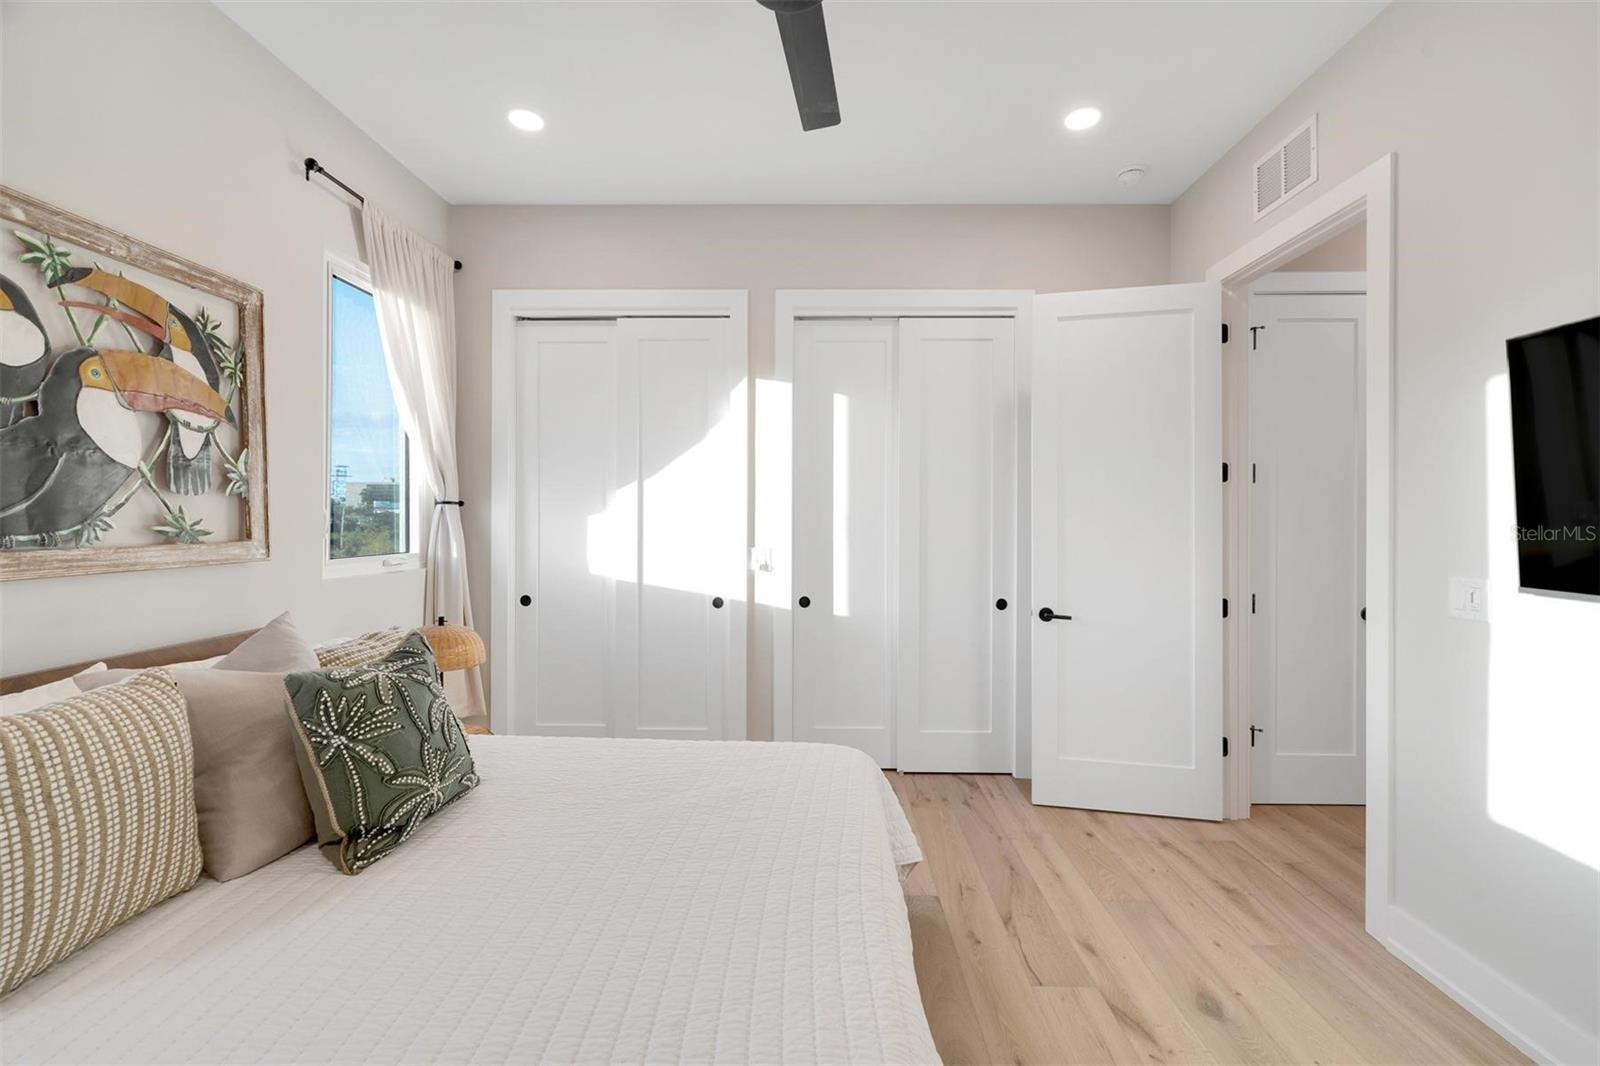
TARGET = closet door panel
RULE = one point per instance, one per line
(691, 447)
(569, 390)
(957, 503)
(841, 685)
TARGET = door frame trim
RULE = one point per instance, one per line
(1310, 283)
(774, 522)
(507, 306)
(1369, 194)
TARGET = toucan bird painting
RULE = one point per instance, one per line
(60, 468)
(184, 343)
(132, 402)
(24, 351)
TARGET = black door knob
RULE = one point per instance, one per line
(1047, 615)
(1000, 604)
(805, 601)
(716, 601)
(525, 600)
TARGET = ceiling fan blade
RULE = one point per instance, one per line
(805, 45)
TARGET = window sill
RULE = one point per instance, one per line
(376, 564)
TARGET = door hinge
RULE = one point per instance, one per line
(1224, 606)
(1252, 473)
(1224, 747)
(1224, 333)
(1224, 473)
(1252, 603)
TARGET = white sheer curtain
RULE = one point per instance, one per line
(413, 284)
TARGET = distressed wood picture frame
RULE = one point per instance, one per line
(228, 489)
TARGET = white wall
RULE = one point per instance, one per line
(762, 249)
(167, 122)
(1492, 111)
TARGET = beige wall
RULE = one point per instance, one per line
(762, 249)
(1346, 250)
(1492, 111)
(167, 122)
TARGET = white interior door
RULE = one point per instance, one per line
(1127, 550)
(842, 686)
(956, 615)
(630, 528)
(1307, 708)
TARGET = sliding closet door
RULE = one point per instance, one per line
(630, 529)
(956, 604)
(842, 692)
(577, 403)
(686, 614)
(904, 609)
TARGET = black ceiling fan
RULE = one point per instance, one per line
(805, 46)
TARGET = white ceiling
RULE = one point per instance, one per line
(689, 102)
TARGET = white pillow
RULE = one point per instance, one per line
(31, 699)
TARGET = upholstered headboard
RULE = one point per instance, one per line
(204, 648)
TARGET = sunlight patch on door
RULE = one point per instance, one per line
(692, 518)
(841, 505)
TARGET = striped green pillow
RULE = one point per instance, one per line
(97, 818)
(359, 651)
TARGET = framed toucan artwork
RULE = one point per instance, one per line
(132, 407)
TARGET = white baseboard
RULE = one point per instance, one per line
(1505, 1007)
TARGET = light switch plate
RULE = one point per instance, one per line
(1469, 598)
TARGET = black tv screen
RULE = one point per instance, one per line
(1555, 437)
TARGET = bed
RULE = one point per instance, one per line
(593, 901)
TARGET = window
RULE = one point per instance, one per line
(370, 504)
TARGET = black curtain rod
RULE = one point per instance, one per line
(314, 167)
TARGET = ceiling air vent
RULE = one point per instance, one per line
(1287, 169)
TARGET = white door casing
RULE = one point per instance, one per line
(1127, 540)
(1307, 691)
(629, 529)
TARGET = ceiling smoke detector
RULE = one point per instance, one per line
(1131, 175)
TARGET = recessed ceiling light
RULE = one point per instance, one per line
(525, 120)
(1131, 175)
(1082, 119)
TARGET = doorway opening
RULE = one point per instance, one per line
(1355, 215)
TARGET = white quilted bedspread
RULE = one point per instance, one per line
(593, 901)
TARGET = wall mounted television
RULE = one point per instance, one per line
(1555, 438)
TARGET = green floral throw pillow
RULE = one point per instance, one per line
(379, 749)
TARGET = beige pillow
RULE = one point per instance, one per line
(247, 792)
(31, 699)
(276, 647)
(76, 860)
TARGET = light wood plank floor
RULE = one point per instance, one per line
(1060, 936)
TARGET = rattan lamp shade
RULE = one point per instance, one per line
(456, 647)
